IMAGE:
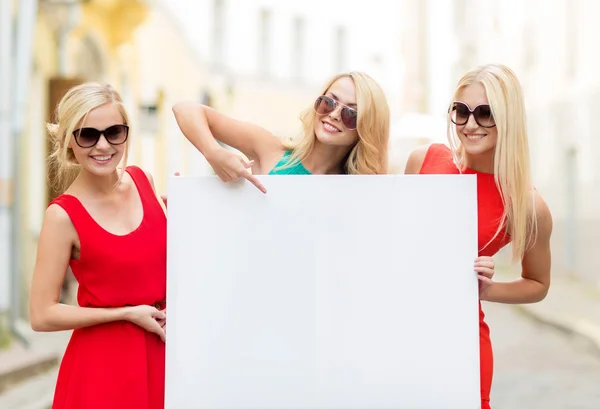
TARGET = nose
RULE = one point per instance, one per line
(337, 112)
(102, 143)
(471, 122)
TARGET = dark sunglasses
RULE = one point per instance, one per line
(88, 137)
(460, 113)
(325, 105)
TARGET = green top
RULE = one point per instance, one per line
(295, 169)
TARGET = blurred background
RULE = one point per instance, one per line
(264, 61)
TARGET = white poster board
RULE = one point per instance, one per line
(328, 292)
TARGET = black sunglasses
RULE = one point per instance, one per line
(88, 137)
(460, 113)
(325, 105)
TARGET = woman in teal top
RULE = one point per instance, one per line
(293, 169)
(345, 131)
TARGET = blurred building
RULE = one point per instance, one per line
(265, 61)
(257, 60)
(269, 58)
(139, 48)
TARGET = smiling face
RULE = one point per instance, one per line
(329, 128)
(476, 139)
(102, 158)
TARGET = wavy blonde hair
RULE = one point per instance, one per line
(369, 156)
(71, 113)
(512, 172)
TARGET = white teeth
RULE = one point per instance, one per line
(474, 137)
(102, 158)
(329, 127)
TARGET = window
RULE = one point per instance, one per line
(298, 48)
(460, 12)
(264, 43)
(529, 48)
(571, 37)
(340, 44)
(218, 36)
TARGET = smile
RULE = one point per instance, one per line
(329, 127)
(102, 159)
(474, 137)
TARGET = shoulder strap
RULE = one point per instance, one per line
(143, 185)
(79, 216)
(438, 156)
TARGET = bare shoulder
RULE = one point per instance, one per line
(55, 214)
(150, 179)
(270, 160)
(543, 217)
(58, 224)
(416, 159)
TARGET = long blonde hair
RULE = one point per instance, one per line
(512, 172)
(71, 112)
(369, 156)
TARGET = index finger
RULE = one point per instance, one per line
(161, 332)
(252, 179)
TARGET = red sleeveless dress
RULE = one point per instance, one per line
(116, 365)
(438, 160)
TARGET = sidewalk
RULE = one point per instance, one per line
(570, 306)
(28, 375)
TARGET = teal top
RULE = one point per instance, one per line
(295, 169)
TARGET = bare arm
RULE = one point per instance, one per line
(415, 160)
(57, 238)
(535, 274)
(203, 126)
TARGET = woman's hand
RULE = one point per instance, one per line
(231, 167)
(147, 317)
(484, 267)
(164, 197)
(163, 321)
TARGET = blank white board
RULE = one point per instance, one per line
(328, 292)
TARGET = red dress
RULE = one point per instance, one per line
(116, 365)
(438, 160)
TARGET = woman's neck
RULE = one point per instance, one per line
(483, 163)
(97, 185)
(326, 159)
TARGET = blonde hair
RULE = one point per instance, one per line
(512, 172)
(369, 155)
(71, 113)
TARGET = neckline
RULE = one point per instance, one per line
(144, 210)
(477, 172)
(301, 166)
(285, 160)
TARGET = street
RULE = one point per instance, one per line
(537, 366)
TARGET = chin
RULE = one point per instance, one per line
(332, 139)
(476, 148)
(323, 137)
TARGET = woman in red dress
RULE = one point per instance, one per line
(110, 228)
(488, 137)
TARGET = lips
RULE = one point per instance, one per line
(102, 159)
(329, 127)
(474, 137)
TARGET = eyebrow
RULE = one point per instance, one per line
(335, 97)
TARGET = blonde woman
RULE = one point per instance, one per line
(110, 228)
(488, 137)
(345, 131)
